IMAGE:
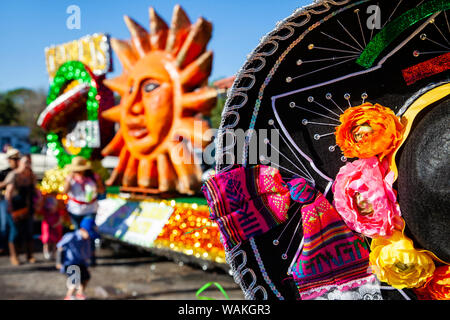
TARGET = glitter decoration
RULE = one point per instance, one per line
(178, 228)
(92, 50)
(263, 269)
(68, 72)
(190, 231)
(393, 30)
(426, 69)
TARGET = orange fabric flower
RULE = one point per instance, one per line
(438, 287)
(368, 130)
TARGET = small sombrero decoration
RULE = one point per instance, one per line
(79, 164)
(356, 96)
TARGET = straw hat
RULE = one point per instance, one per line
(12, 153)
(79, 164)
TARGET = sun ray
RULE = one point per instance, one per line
(198, 71)
(118, 84)
(118, 171)
(158, 31)
(184, 163)
(130, 175)
(195, 43)
(112, 114)
(114, 146)
(147, 175)
(195, 130)
(139, 36)
(166, 173)
(179, 29)
(124, 52)
(202, 100)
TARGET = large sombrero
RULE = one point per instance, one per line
(350, 86)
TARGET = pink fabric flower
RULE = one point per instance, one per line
(364, 197)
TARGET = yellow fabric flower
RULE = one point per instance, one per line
(395, 261)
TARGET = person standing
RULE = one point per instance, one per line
(82, 187)
(20, 189)
(73, 255)
(6, 222)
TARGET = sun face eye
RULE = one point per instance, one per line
(150, 85)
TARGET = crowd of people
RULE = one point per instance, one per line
(20, 199)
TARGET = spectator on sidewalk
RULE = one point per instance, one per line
(51, 226)
(82, 187)
(19, 194)
(73, 256)
(6, 222)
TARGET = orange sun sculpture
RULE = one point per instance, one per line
(164, 93)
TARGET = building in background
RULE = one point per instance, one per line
(15, 136)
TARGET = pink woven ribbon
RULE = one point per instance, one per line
(246, 202)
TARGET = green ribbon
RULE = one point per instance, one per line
(207, 286)
(396, 27)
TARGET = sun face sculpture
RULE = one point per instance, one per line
(164, 94)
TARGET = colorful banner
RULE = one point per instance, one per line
(92, 50)
(137, 223)
(173, 226)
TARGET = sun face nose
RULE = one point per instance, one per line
(137, 109)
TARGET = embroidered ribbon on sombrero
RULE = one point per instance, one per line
(246, 202)
(333, 257)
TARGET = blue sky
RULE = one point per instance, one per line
(27, 27)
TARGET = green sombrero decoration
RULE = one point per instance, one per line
(76, 96)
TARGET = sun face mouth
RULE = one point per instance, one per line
(138, 131)
(137, 128)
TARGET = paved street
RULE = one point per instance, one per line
(121, 273)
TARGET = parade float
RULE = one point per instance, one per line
(157, 133)
(71, 119)
(350, 201)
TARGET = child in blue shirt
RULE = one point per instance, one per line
(74, 254)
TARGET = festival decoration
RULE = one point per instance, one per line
(75, 98)
(438, 287)
(395, 261)
(91, 50)
(368, 130)
(178, 229)
(365, 199)
(54, 179)
(164, 92)
(343, 83)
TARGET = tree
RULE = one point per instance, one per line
(9, 113)
(29, 104)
